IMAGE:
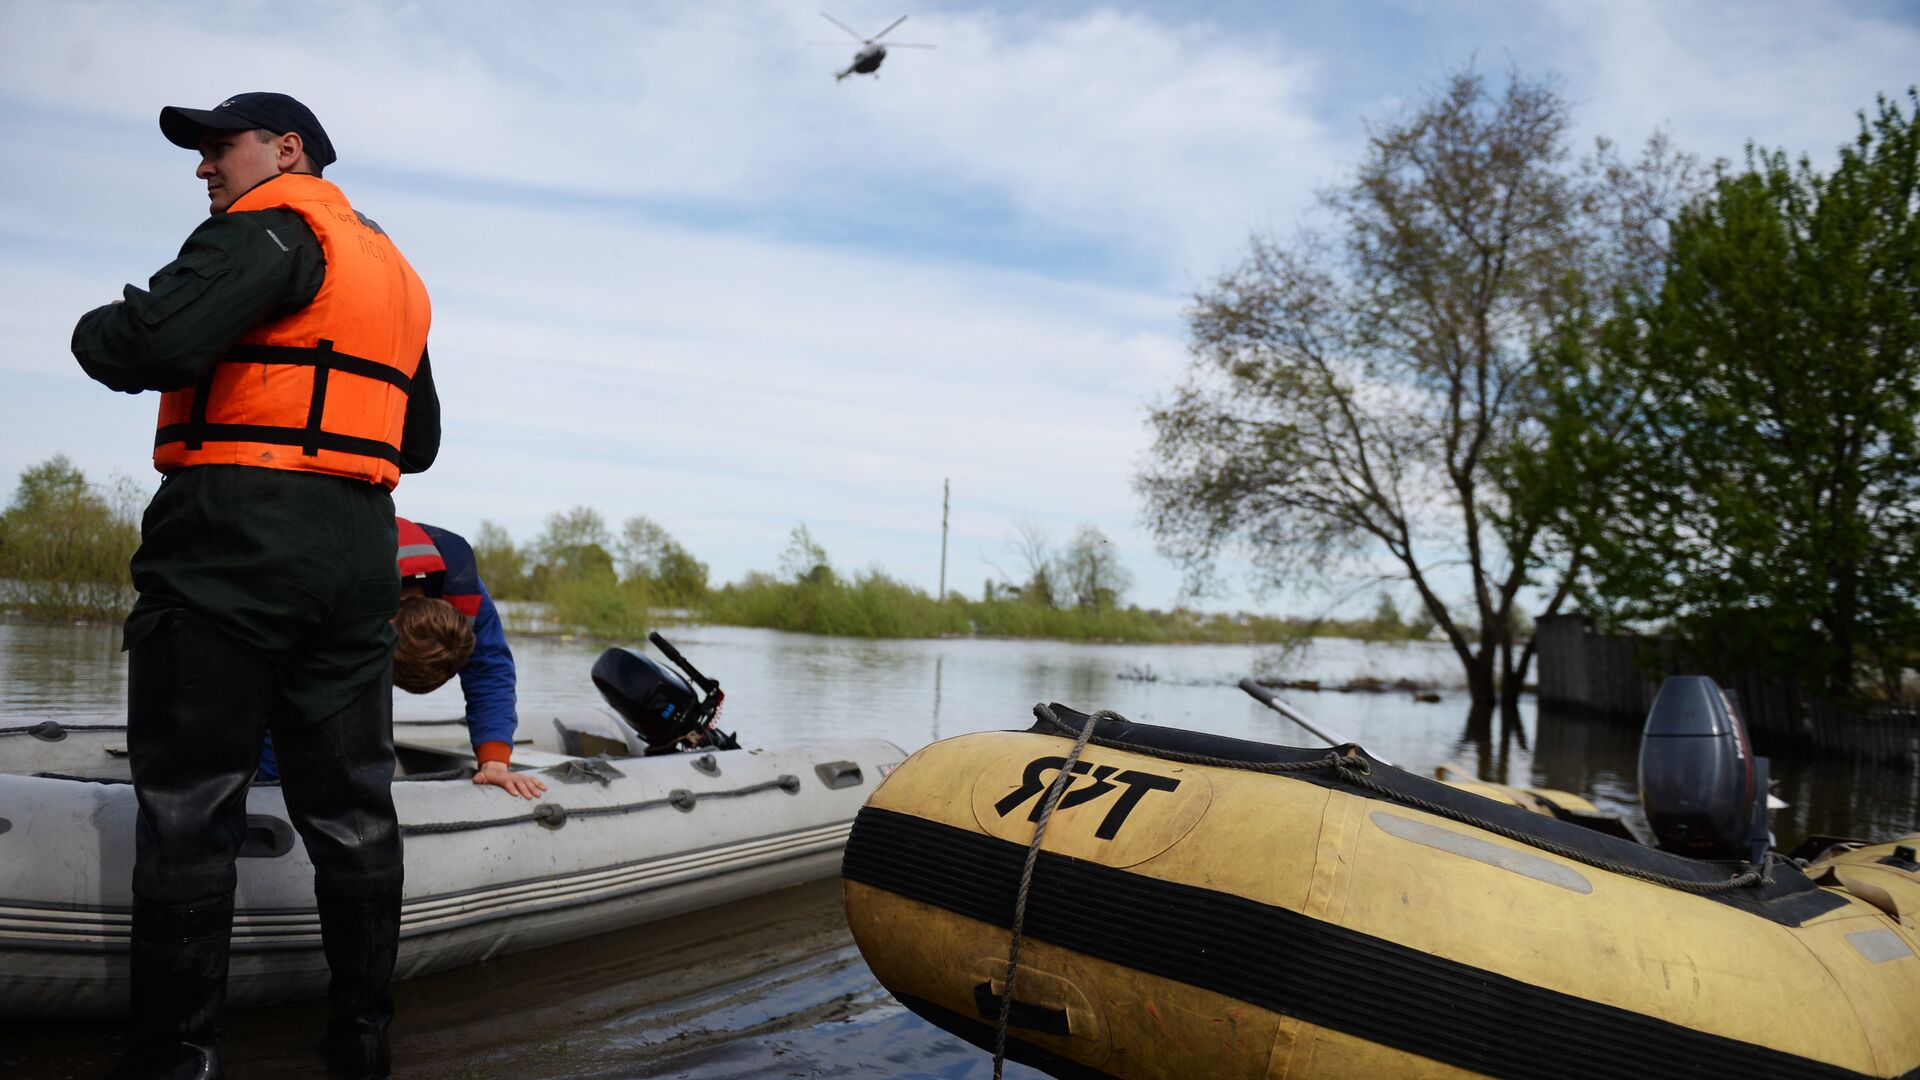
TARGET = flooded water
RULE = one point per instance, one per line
(774, 986)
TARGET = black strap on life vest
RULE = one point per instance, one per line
(311, 439)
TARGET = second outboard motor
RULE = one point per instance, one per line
(1704, 791)
(659, 704)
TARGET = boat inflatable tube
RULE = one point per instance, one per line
(1204, 906)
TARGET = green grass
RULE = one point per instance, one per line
(872, 605)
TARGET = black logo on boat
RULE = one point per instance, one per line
(1137, 785)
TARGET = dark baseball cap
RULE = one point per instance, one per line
(277, 113)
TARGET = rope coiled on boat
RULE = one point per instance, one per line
(1354, 769)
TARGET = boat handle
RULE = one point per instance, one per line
(839, 774)
(1045, 1019)
(267, 837)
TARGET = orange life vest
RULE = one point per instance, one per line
(420, 557)
(325, 388)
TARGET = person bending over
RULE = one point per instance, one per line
(446, 626)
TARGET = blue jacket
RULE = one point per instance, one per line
(488, 679)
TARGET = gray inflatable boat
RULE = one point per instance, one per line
(619, 839)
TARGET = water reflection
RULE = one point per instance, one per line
(61, 670)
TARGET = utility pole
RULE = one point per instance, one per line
(946, 491)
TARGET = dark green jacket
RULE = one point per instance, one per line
(296, 565)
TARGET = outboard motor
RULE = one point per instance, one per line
(1704, 791)
(660, 705)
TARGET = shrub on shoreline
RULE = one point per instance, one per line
(873, 605)
(65, 544)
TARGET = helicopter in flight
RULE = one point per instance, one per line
(867, 61)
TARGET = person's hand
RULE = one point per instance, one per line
(524, 785)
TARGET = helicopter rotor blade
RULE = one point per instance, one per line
(889, 28)
(844, 26)
(907, 45)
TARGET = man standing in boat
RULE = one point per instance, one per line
(288, 340)
(447, 625)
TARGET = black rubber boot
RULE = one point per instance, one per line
(337, 778)
(179, 967)
(362, 938)
(195, 703)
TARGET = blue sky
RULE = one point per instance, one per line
(677, 270)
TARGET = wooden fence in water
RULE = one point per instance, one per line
(1615, 676)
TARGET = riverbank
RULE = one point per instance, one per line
(874, 606)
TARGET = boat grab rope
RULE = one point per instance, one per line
(1355, 770)
(1058, 788)
(54, 731)
(553, 815)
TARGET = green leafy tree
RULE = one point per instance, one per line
(65, 543)
(804, 561)
(1738, 445)
(1090, 571)
(502, 565)
(575, 546)
(648, 553)
(1363, 393)
(1386, 623)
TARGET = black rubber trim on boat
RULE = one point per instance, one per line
(1286, 962)
(1790, 899)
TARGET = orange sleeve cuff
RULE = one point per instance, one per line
(493, 751)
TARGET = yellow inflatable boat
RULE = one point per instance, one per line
(1211, 907)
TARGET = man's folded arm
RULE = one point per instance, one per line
(235, 272)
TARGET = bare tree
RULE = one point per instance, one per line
(1364, 395)
(1032, 545)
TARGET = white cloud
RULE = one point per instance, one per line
(1148, 138)
(1786, 75)
(678, 270)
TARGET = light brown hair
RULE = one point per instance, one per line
(433, 642)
